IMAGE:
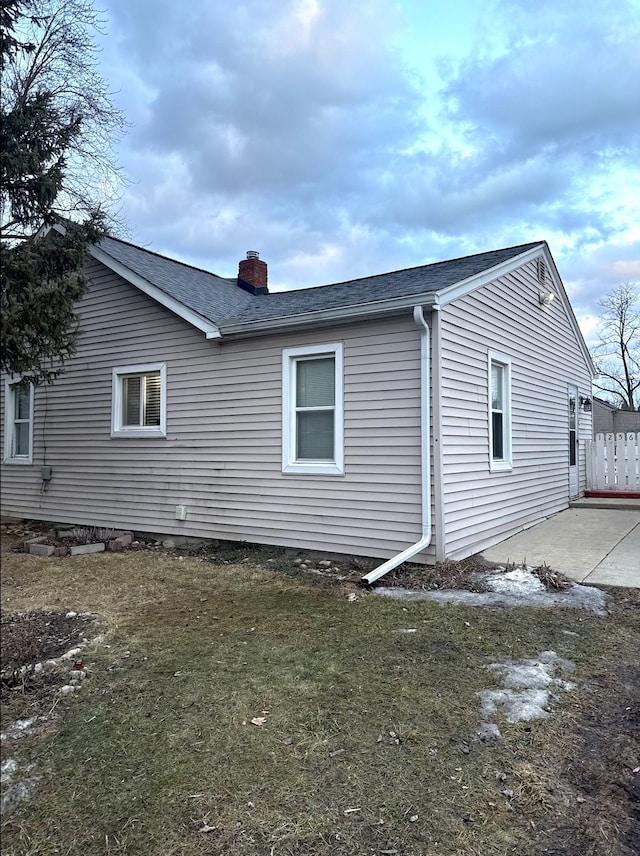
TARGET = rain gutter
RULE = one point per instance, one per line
(425, 459)
(341, 314)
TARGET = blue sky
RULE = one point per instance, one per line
(341, 139)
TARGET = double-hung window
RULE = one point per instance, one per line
(312, 433)
(499, 412)
(139, 401)
(18, 445)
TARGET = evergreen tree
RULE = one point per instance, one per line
(55, 135)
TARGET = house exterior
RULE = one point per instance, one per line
(426, 413)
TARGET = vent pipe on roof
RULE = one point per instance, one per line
(252, 274)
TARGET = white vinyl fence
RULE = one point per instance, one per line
(613, 462)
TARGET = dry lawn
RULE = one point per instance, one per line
(239, 709)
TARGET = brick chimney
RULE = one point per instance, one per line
(252, 274)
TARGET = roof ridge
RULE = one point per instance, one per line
(403, 270)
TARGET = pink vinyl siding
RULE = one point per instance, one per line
(222, 456)
(483, 507)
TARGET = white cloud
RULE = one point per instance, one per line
(294, 128)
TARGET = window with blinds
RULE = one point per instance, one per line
(139, 401)
(312, 410)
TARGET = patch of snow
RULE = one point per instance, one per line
(520, 587)
(534, 674)
(528, 686)
(518, 705)
(23, 724)
(18, 728)
(520, 581)
(8, 768)
(528, 675)
(24, 727)
(14, 793)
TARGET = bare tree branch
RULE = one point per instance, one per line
(62, 64)
(617, 355)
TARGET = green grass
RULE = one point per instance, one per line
(159, 744)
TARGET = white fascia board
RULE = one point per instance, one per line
(210, 330)
(377, 308)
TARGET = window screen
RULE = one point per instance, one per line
(315, 409)
(22, 421)
(497, 411)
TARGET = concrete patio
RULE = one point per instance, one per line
(594, 542)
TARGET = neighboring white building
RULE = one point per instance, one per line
(438, 406)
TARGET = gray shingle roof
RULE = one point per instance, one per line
(211, 296)
(220, 300)
(400, 283)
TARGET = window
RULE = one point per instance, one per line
(573, 426)
(500, 412)
(139, 401)
(18, 443)
(312, 410)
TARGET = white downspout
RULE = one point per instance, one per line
(425, 459)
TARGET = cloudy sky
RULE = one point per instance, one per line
(342, 138)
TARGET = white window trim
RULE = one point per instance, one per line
(9, 414)
(506, 463)
(289, 463)
(120, 430)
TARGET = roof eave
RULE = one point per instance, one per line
(373, 309)
(196, 320)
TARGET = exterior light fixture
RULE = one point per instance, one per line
(585, 404)
(546, 298)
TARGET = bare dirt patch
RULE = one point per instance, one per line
(464, 574)
(30, 638)
(604, 773)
